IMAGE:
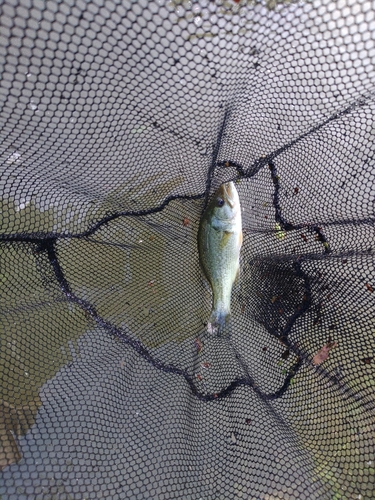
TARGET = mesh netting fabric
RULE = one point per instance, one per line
(118, 121)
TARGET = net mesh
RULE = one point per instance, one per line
(118, 121)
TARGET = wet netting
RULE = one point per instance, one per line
(119, 120)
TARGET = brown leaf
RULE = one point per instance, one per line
(186, 221)
(369, 287)
(323, 353)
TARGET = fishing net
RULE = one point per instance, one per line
(118, 121)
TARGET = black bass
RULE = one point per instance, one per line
(219, 245)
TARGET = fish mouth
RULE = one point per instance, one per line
(227, 192)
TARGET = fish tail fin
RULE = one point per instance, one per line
(218, 319)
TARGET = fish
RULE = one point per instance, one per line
(219, 246)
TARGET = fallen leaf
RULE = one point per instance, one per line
(369, 288)
(285, 354)
(304, 237)
(186, 221)
(296, 190)
(323, 353)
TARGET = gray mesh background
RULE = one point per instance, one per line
(118, 120)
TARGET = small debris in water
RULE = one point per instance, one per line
(285, 354)
(198, 345)
(367, 361)
(323, 353)
(206, 365)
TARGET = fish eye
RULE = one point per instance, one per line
(220, 202)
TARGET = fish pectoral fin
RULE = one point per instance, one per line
(224, 239)
(237, 278)
(240, 239)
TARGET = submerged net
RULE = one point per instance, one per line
(118, 121)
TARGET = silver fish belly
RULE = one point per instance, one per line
(219, 245)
